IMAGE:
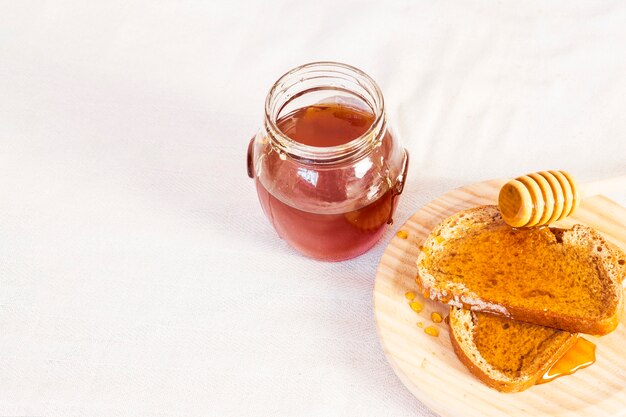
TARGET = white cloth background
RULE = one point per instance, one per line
(138, 275)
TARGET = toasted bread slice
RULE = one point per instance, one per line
(567, 279)
(506, 354)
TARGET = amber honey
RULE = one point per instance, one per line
(327, 167)
(431, 331)
(326, 235)
(436, 317)
(581, 355)
(326, 125)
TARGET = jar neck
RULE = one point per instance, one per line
(311, 84)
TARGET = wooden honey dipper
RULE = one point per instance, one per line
(545, 197)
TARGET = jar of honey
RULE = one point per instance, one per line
(327, 167)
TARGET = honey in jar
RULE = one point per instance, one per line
(327, 168)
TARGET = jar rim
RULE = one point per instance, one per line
(327, 154)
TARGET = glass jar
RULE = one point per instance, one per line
(328, 169)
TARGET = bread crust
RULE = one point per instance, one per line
(605, 258)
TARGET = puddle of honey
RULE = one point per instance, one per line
(579, 356)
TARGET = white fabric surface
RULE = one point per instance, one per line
(138, 275)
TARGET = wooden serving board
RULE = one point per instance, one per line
(428, 366)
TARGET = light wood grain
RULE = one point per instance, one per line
(428, 366)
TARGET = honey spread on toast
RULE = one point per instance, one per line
(563, 278)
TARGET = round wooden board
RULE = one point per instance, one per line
(428, 366)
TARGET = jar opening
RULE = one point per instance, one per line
(315, 87)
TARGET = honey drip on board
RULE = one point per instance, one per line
(416, 306)
(579, 356)
(402, 234)
(436, 317)
(431, 331)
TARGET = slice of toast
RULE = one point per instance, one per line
(569, 279)
(506, 354)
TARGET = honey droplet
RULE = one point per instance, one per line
(436, 317)
(420, 324)
(579, 356)
(432, 331)
(416, 306)
(402, 234)
(410, 295)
